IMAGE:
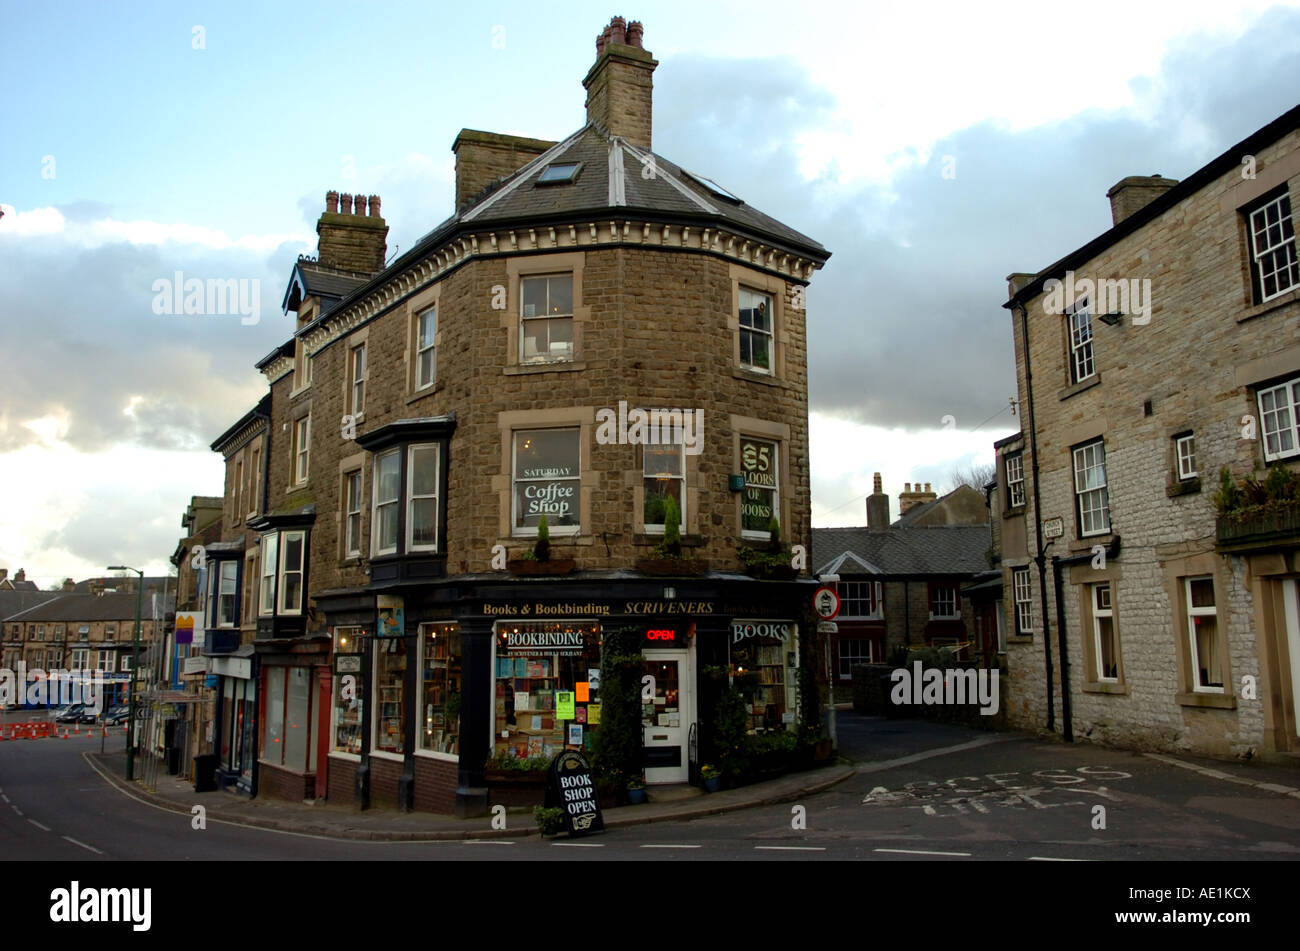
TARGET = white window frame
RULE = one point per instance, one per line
(284, 570)
(352, 512)
(769, 333)
(848, 595)
(376, 520)
(1083, 363)
(110, 630)
(530, 531)
(1022, 591)
(224, 620)
(301, 449)
(548, 356)
(1099, 612)
(270, 562)
(1273, 247)
(357, 394)
(658, 528)
(935, 589)
(1185, 453)
(1093, 457)
(80, 658)
(1193, 613)
(853, 658)
(1279, 416)
(1016, 483)
(421, 348)
(775, 488)
(411, 497)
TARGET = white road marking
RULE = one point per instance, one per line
(1219, 774)
(670, 846)
(83, 845)
(1048, 858)
(16, 809)
(38, 825)
(579, 845)
(488, 842)
(4, 797)
(791, 848)
(920, 852)
(930, 754)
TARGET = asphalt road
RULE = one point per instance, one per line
(932, 793)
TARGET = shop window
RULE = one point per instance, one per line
(1203, 636)
(349, 692)
(440, 689)
(663, 467)
(756, 330)
(759, 460)
(763, 655)
(546, 475)
(546, 318)
(539, 667)
(390, 694)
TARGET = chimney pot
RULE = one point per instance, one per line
(875, 483)
(345, 204)
(600, 43)
(927, 487)
(634, 33)
(332, 203)
(618, 30)
(907, 487)
(374, 206)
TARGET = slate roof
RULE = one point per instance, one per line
(12, 602)
(311, 278)
(903, 550)
(609, 185)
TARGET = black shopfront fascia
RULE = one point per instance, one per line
(401, 567)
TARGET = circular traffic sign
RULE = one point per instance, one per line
(826, 603)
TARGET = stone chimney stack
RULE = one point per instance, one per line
(21, 576)
(1131, 194)
(619, 85)
(484, 157)
(913, 496)
(877, 507)
(348, 241)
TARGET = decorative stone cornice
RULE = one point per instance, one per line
(588, 235)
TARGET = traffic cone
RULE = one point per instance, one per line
(65, 733)
(76, 728)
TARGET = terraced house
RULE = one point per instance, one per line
(594, 339)
(1148, 533)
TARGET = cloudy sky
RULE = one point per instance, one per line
(144, 139)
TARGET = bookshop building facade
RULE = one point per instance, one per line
(427, 695)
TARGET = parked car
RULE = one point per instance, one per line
(116, 716)
(72, 713)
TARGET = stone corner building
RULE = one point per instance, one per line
(1136, 613)
(594, 331)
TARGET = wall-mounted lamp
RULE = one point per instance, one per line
(670, 594)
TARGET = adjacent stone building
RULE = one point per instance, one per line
(1161, 354)
(595, 338)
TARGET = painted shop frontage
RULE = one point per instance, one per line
(434, 684)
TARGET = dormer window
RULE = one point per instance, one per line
(559, 173)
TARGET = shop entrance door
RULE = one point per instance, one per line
(667, 712)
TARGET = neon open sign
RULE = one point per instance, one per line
(661, 634)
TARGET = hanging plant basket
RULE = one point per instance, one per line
(552, 566)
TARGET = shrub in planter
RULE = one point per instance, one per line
(616, 746)
(549, 820)
(542, 549)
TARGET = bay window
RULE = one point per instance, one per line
(422, 498)
(270, 560)
(292, 558)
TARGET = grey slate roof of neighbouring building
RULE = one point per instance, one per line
(905, 550)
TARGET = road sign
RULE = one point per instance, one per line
(827, 627)
(826, 603)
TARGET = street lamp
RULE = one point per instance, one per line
(135, 666)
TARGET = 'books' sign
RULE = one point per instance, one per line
(570, 787)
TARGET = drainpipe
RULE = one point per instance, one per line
(1041, 558)
(1112, 551)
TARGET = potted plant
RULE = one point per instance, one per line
(771, 562)
(666, 558)
(550, 820)
(710, 778)
(539, 561)
(635, 791)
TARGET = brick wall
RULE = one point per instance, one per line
(384, 776)
(435, 785)
(341, 782)
(274, 782)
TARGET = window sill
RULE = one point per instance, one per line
(562, 366)
(435, 755)
(1218, 701)
(657, 538)
(1020, 639)
(426, 392)
(351, 561)
(1016, 511)
(1183, 487)
(1259, 310)
(294, 394)
(385, 754)
(1116, 688)
(1075, 388)
(349, 757)
(757, 376)
(1081, 545)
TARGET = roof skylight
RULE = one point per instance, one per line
(559, 173)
